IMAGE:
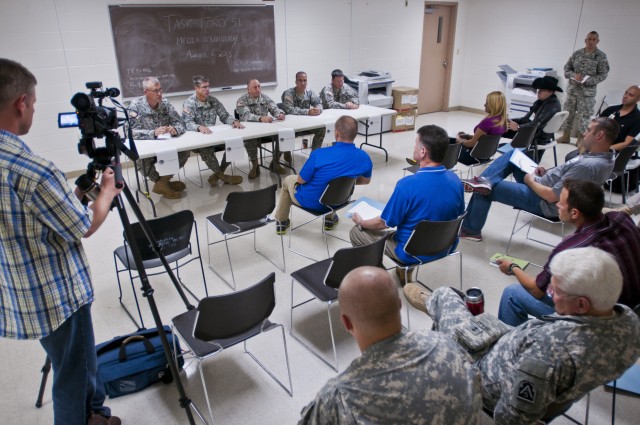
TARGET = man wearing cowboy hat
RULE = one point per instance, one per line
(544, 108)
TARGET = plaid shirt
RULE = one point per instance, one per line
(44, 275)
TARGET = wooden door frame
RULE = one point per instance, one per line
(452, 31)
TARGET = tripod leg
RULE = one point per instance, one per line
(43, 383)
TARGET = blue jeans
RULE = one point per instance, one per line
(517, 194)
(517, 304)
(77, 390)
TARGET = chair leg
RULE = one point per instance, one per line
(513, 232)
(333, 340)
(613, 403)
(286, 356)
(206, 392)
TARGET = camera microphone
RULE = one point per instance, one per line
(112, 92)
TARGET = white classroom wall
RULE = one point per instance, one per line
(68, 42)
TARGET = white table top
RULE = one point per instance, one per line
(194, 140)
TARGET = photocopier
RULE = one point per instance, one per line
(518, 91)
(374, 88)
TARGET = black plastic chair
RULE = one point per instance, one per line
(530, 224)
(431, 238)
(620, 170)
(323, 279)
(483, 151)
(223, 321)
(173, 234)
(336, 196)
(244, 213)
(450, 158)
(524, 137)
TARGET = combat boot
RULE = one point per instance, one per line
(176, 186)
(162, 187)
(565, 138)
(227, 178)
(255, 169)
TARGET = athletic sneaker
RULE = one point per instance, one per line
(282, 226)
(331, 223)
(477, 185)
(474, 237)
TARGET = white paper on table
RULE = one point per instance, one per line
(218, 128)
(234, 148)
(375, 124)
(286, 139)
(523, 162)
(330, 127)
(163, 136)
(167, 162)
(365, 210)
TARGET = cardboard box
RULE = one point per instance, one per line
(397, 122)
(410, 118)
(404, 97)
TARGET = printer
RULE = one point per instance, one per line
(373, 88)
(518, 91)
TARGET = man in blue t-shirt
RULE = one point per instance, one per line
(343, 159)
(432, 193)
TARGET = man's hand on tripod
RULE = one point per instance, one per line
(104, 201)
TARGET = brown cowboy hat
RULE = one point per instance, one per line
(547, 82)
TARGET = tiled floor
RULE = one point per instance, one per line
(241, 393)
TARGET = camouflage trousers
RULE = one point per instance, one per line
(318, 137)
(580, 108)
(149, 165)
(208, 155)
(447, 309)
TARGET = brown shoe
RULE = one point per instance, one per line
(224, 165)
(400, 272)
(417, 295)
(565, 138)
(255, 169)
(176, 186)
(96, 419)
(213, 180)
(276, 167)
(162, 187)
(226, 178)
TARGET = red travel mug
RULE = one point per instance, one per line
(474, 299)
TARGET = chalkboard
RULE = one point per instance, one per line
(228, 44)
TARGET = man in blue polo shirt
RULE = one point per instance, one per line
(343, 159)
(432, 193)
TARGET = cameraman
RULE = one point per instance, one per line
(45, 285)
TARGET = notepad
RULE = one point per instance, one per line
(523, 162)
(367, 208)
(499, 256)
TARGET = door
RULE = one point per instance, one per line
(438, 31)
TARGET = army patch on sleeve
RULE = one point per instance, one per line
(527, 391)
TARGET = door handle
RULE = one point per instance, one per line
(445, 63)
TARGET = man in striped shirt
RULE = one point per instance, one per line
(580, 203)
(45, 283)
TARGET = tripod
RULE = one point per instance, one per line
(147, 292)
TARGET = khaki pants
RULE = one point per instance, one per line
(367, 236)
(287, 197)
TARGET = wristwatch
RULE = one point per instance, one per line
(512, 266)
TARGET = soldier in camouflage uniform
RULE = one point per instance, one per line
(402, 377)
(535, 370)
(154, 116)
(199, 112)
(581, 95)
(300, 101)
(337, 95)
(255, 106)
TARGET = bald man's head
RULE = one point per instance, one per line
(369, 297)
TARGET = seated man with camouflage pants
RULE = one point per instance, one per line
(300, 101)
(154, 116)
(199, 112)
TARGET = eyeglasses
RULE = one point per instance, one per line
(155, 90)
(551, 292)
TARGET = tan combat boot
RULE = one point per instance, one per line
(565, 138)
(176, 186)
(275, 165)
(226, 178)
(162, 187)
(255, 169)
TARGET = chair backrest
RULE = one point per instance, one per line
(486, 147)
(451, 156)
(347, 259)
(172, 232)
(224, 316)
(433, 237)
(623, 159)
(555, 122)
(524, 137)
(250, 206)
(338, 191)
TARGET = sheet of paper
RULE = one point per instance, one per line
(365, 210)
(167, 162)
(234, 147)
(523, 162)
(218, 128)
(163, 136)
(286, 139)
